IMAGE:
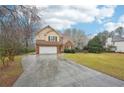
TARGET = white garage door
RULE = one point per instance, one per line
(48, 50)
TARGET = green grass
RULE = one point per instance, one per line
(9, 74)
(109, 63)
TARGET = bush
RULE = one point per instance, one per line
(25, 50)
(85, 49)
(72, 50)
(78, 49)
(96, 49)
(69, 50)
(110, 49)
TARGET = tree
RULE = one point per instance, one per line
(95, 45)
(16, 28)
(103, 37)
(119, 31)
(79, 38)
(31, 18)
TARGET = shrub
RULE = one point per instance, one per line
(95, 49)
(110, 49)
(78, 49)
(25, 50)
(72, 50)
(69, 50)
(85, 49)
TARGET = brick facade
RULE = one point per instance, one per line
(37, 49)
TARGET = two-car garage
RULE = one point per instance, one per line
(47, 50)
(43, 47)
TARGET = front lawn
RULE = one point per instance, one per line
(9, 74)
(109, 63)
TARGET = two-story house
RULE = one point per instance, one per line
(117, 42)
(49, 41)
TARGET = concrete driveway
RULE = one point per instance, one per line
(51, 71)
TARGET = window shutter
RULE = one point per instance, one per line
(49, 38)
(56, 38)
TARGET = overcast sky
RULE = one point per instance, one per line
(91, 19)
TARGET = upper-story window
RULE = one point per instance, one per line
(52, 38)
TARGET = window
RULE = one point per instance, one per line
(52, 38)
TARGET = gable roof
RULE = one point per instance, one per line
(50, 28)
(118, 38)
(65, 38)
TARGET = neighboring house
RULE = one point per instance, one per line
(117, 42)
(49, 41)
(109, 42)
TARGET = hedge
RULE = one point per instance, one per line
(69, 50)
